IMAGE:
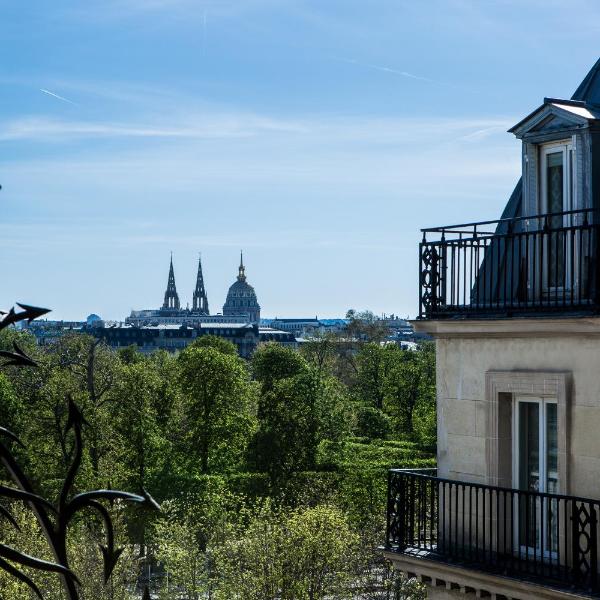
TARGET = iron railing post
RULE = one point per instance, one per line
(388, 511)
(595, 267)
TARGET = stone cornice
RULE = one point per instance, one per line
(472, 583)
(510, 328)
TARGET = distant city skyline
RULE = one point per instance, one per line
(319, 137)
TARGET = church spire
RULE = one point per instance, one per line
(242, 273)
(171, 297)
(200, 299)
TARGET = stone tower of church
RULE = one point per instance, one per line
(200, 299)
(171, 297)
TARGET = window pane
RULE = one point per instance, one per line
(555, 185)
(529, 471)
(555, 202)
(551, 449)
(551, 506)
(529, 446)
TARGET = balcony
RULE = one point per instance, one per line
(536, 265)
(547, 539)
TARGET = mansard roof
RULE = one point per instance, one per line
(589, 89)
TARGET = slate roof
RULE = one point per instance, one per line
(589, 89)
(309, 320)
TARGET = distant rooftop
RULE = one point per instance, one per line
(176, 326)
(308, 320)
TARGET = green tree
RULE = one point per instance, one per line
(130, 355)
(12, 409)
(249, 561)
(216, 342)
(218, 408)
(296, 414)
(410, 385)
(425, 418)
(365, 326)
(79, 367)
(137, 395)
(284, 554)
(321, 350)
(179, 549)
(372, 362)
(280, 417)
(273, 362)
(190, 533)
(91, 368)
(318, 554)
(165, 421)
(372, 422)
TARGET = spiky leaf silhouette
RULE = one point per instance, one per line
(18, 358)
(29, 313)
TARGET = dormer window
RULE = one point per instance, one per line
(557, 185)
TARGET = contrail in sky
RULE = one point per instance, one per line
(57, 96)
(387, 70)
(401, 73)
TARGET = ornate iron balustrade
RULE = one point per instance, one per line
(548, 538)
(53, 519)
(537, 264)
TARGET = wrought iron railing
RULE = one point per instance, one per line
(536, 264)
(548, 538)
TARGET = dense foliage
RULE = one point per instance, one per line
(272, 472)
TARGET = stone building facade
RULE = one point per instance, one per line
(513, 510)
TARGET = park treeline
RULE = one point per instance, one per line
(271, 472)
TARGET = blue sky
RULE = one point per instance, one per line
(319, 136)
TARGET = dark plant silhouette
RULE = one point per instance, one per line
(54, 520)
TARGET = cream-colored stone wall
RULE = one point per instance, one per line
(463, 359)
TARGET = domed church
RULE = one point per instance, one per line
(241, 298)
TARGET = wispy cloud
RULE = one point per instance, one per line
(49, 93)
(214, 124)
(173, 9)
(223, 126)
(130, 234)
(485, 132)
(311, 157)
